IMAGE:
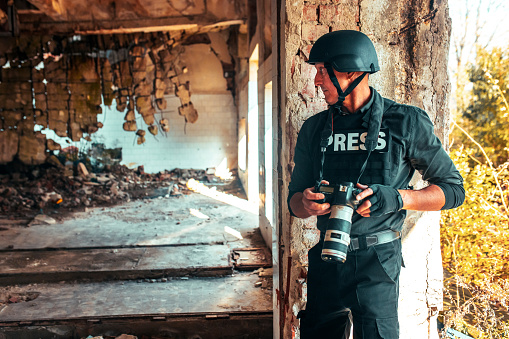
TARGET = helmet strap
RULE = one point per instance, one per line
(342, 95)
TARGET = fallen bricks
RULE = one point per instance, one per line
(32, 191)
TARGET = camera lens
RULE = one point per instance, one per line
(337, 237)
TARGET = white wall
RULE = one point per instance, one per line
(206, 143)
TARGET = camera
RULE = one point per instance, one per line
(341, 198)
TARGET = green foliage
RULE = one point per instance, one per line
(486, 115)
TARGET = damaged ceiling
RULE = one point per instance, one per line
(65, 17)
(63, 60)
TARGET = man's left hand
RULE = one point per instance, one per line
(379, 200)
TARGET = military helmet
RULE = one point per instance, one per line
(346, 51)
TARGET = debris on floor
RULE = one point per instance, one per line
(42, 219)
(40, 190)
(9, 297)
(121, 249)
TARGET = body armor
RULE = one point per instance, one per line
(346, 155)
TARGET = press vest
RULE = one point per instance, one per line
(346, 153)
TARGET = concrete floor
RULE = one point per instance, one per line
(163, 258)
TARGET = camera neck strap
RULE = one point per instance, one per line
(373, 125)
(326, 139)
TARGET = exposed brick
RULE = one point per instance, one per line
(329, 14)
(9, 140)
(16, 74)
(40, 101)
(39, 88)
(32, 149)
(11, 118)
(309, 13)
(319, 2)
(350, 25)
(37, 75)
(311, 32)
(349, 15)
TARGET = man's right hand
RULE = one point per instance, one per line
(313, 207)
(304, 205)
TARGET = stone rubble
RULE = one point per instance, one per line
(38, 191)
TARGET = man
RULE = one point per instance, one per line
(376, 144)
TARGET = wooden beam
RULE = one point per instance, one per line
(98, 17)
(71, 10)
(39, 24)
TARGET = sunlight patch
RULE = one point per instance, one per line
(198, 214)
(245, 205)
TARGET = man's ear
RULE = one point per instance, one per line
(354, 75)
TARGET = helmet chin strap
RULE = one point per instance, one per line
(342, 95)
(326, 136)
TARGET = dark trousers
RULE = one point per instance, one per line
(364, 289)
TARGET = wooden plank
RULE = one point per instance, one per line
(245, 326)
(114, 263)
(177, 297)
(251, 258)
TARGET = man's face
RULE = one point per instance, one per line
(322, 79)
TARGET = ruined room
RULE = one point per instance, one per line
(136, 169)
(114, 114)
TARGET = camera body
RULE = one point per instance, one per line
(341, 198)
(338, 194)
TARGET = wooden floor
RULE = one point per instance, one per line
(160, 258)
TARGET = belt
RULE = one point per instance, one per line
(365, 241)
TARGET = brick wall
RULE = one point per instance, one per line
(203, 144)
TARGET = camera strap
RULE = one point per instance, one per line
(374, 122)
(326, 139)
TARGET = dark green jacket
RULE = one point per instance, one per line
(413, 146)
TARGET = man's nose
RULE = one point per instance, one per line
(318, 79)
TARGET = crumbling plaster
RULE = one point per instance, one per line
(138, 71)
(204, 73)
(412, 41)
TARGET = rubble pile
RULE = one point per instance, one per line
(27, 191)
